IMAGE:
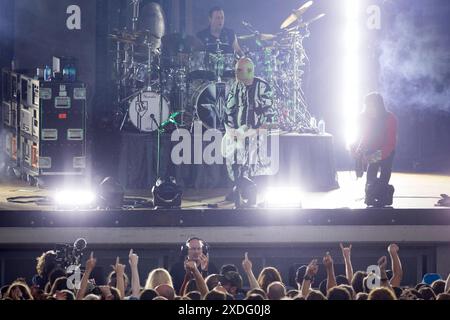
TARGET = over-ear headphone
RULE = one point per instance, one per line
(185, 246)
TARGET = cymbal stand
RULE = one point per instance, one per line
(135, 19)
(118, 72)
(294, 110)
(219, 85)
(149, 44)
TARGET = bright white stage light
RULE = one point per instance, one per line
(74, 198)
(283, 197)
(351, 91)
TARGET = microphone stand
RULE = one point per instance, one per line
(161, 91)
(152, 116)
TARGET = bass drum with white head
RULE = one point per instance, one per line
(148, 110)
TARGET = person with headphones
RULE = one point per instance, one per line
(197, 250)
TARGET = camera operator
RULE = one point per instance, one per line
(46, 263)
(54, 263)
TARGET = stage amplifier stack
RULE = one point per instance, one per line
(10, 118)
(45, 126)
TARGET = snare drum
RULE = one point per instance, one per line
(146, 112)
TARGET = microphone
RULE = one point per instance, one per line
(152, 116)
(80, 244)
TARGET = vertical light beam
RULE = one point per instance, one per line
(351, 70)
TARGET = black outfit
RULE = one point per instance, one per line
(178, 272)
(385, 167)
(379, 136)
(227, 37)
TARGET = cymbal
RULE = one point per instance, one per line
(210, 47)
(147, 34)
(123, 38)
(296, 14)
(125, 33)
(137, 37)
(152, 17)
(305, 24)
(259, 36)
(177, 43)
(277, 47)
(217, 42)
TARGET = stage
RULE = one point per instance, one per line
(413, 191)
(277, 237)
(325, 217)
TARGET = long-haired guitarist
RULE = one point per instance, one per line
(377, 139)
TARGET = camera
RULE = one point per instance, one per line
(70, 255)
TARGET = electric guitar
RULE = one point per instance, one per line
(234, 139)
(360, 165)
(360, 161)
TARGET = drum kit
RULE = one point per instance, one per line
(166, 81)
(281, 60)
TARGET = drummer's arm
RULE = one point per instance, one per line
(237, 48)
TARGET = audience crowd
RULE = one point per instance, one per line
(197, 279)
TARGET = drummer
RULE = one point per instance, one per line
(217, 31)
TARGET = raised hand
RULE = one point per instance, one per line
(118, 267)
(328, 261)
(204, 262)
(247, 264)
(346, 251)
(133, 259)
(382, 262)
(393, 249)
(397, 270)
(312, 268)
(120, 272)
(190, 266)
(91, 262)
